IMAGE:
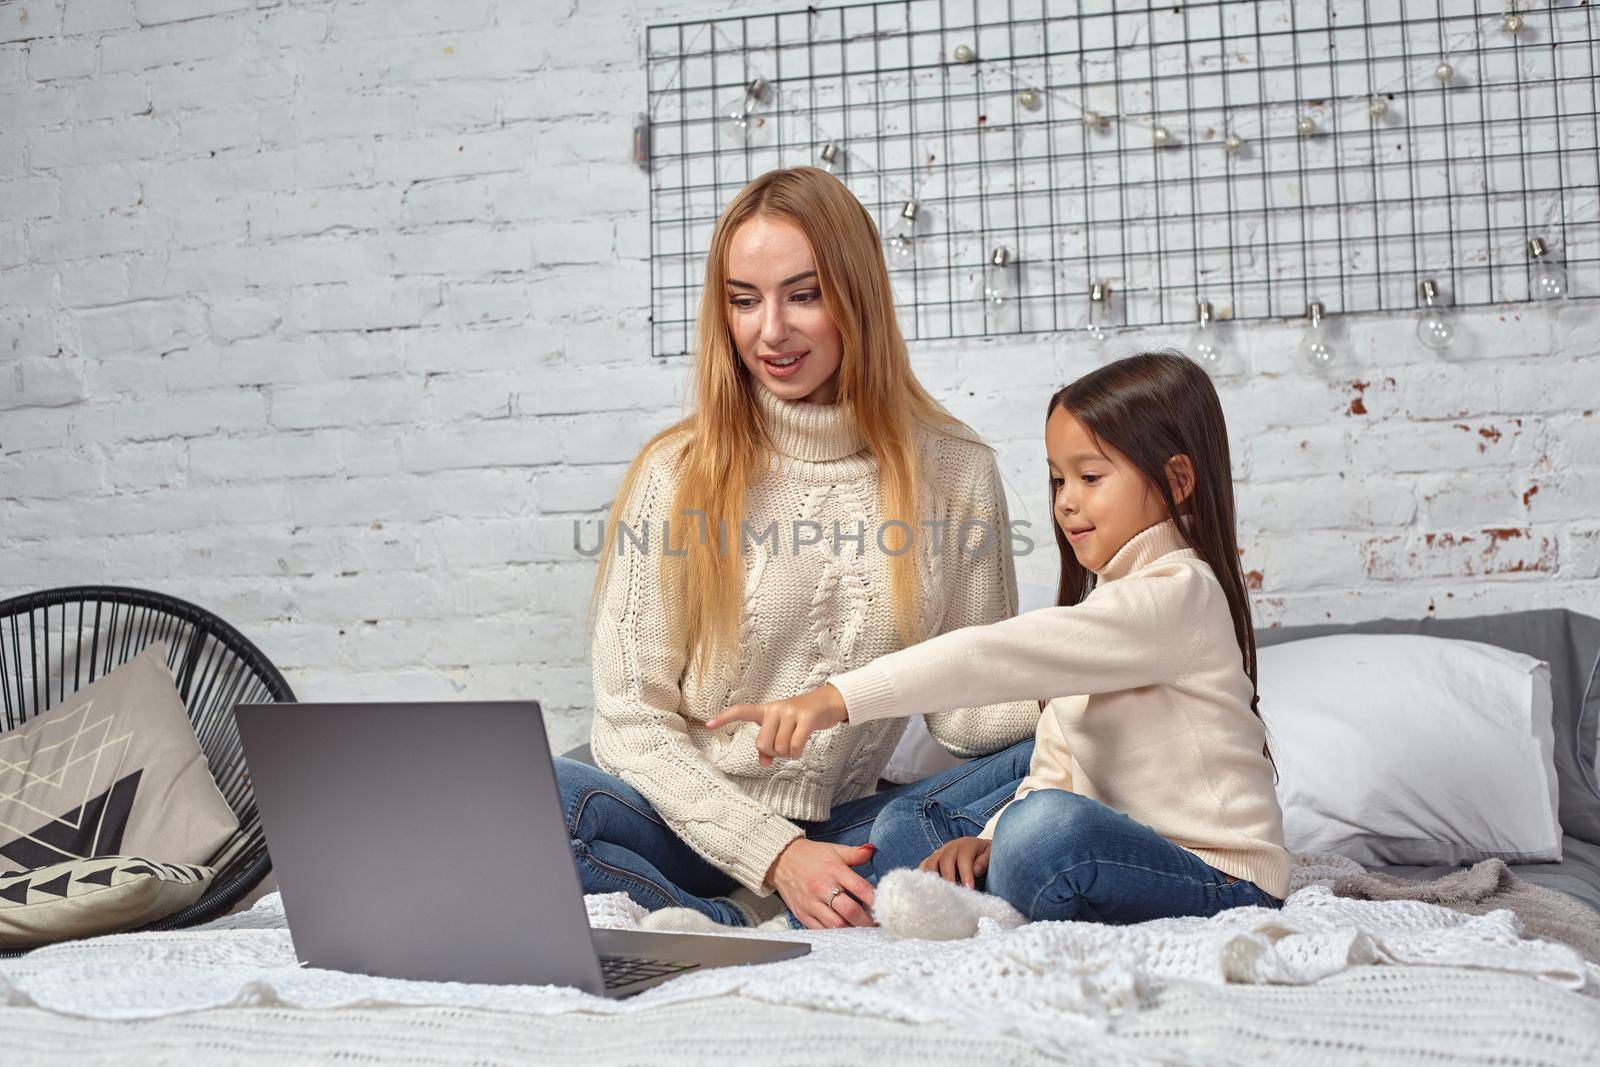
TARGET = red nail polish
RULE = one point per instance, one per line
(870, 847)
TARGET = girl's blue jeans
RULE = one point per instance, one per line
(622, 845)
(1061, 855)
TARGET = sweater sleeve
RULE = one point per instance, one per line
(1051, 766)
(1136, 631)
(639, 733)
(984, 590)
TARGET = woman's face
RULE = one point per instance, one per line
(783, 334)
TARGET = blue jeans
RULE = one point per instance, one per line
(622, 846)
(1061, 855)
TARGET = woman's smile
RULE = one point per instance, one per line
(783, 364)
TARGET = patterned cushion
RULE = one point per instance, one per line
(114, 769)
(81, 898)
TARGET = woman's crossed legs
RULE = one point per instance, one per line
(621, 845)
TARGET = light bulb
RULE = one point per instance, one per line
(1233, 142)
(963, 53)
(1091, 119)
(1093, 326)
(740, 119)
(901, 238)
(1378, 107)
(1549, 281)
(1444, 72)
(1161, 136)
(1029, 99)
(1315, 349)
(1513, 23)
(1307, 126)
(832, 159)
(997, 287)
(1436, 326)
(1205, 343)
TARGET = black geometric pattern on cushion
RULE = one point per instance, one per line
(100, 877)
(26, 887)
(86, 898)
(57, 886)
(94, 829)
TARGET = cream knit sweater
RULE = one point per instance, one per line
(810, 612)
(1165, 733)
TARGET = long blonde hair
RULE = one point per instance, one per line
(724, 442)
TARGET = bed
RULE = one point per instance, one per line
(1326, 980)
(1323, 981)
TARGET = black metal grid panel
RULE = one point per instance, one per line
(1448, 184)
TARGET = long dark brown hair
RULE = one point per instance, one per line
(1152, 407)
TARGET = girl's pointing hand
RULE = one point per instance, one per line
(786, 725)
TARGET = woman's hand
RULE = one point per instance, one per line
(786, 724)
(806, 875)
(964, 860)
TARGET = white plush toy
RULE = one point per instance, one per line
(907, 904)
(919, 904)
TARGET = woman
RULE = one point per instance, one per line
(802, 521)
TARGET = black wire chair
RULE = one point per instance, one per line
(54, 642)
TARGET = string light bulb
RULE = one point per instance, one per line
(1029, 99)
(1444, 72)
(741, 119)
(997, 288)
(1091, 119)
(1233, 142)
(1377, 107)
(1512, 23)
(1549, 280)
(831, 157)
(1315, 350)
(1161, 136)
(1096, 319)
(963, 53)
(1205, 344)
(1436, 326)
(1307, 126)
(901, 236)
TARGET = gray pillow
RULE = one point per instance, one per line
(1568, 641)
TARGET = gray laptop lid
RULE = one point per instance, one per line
(420, 841)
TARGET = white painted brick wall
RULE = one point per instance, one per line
(332, 317)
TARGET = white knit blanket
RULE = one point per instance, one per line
(1058, 985)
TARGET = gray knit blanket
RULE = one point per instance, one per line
(1485, 887)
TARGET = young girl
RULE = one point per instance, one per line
(1150, 795)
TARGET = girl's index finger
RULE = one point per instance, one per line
(735, 713)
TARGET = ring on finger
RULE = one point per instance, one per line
(836, 891)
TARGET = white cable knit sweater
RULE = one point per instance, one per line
(1163, 731)
(810, 611)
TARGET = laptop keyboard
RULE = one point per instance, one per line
(625, 970)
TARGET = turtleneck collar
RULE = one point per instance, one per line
(1143, 549)
(812, 433)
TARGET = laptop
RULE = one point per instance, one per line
(427, 841)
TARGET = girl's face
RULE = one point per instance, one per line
(783, 334)
(1101, 500)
